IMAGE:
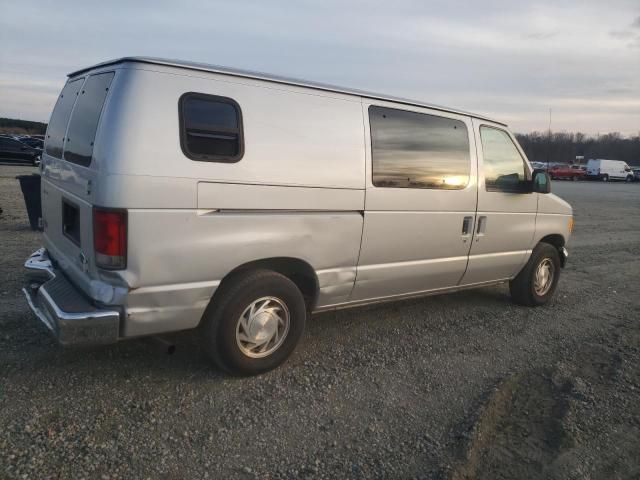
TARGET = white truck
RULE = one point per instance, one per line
(605, 170)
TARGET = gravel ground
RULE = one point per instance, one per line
(460, 386)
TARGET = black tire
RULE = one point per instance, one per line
(605, 178)
(574, 178)
(221, 319)
(522, 287)
(629, 179)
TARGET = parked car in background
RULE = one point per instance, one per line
(636, 174)
(12, 150)
(539, 165)
(267, 219)
(567, 172)
(606, 170)
(32, 142)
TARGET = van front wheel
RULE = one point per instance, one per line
(254, 322)
(537, 281)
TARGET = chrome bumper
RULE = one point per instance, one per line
(65, 311)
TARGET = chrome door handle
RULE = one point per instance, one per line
(467, 227)
(482, 225)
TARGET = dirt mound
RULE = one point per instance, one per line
(563, 422)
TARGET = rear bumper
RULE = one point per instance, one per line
(64, 310)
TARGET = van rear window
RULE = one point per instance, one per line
(78, 147)
(210, 128)
(60, 118)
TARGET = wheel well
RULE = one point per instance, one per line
(296, 270)
(555, 239)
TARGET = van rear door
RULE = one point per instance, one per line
(69, 176)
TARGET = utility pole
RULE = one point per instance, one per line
(549, 140)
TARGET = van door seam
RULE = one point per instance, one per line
(475, 213)
(364, 211)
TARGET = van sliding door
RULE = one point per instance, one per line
(420, 200)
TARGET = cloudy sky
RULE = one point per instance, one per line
(509, 59)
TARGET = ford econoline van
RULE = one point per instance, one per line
(179, 196)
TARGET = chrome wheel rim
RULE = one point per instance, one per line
(262, 327)
(544, 277)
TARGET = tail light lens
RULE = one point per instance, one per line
(110, 238)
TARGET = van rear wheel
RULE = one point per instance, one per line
(254, 322)
(537, 281)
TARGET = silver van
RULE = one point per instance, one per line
(180, 195)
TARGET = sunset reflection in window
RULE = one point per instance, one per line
(415, 150)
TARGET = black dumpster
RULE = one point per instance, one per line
(30, 185)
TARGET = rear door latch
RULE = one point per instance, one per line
(84, 262)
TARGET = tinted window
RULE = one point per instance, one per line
(210, 128)
(503, 165)
(78, 147)
(10, 144)
(32, 142)
(60, 118)
(414, 150)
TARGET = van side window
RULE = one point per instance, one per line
(210, 128)
(78, 146)
(60, 118)
(415, 150)
(503, 164)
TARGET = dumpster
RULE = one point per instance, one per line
(30, 185)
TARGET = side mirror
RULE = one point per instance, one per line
(541, 182)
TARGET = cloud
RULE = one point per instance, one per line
(508, 59)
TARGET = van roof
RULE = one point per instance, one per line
(276, 79)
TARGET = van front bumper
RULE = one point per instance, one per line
(564, 255)
(64, 310)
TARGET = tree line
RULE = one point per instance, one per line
(12, 125)
(563, 147)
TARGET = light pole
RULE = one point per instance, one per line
(549, 140)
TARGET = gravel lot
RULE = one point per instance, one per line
(460, 386)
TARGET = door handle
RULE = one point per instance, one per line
(482, 225)
(467, 227)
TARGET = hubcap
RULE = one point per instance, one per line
(262, 327)
(544, 277)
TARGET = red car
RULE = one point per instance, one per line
(567, 172)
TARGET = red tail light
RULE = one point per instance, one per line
(110, 238)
